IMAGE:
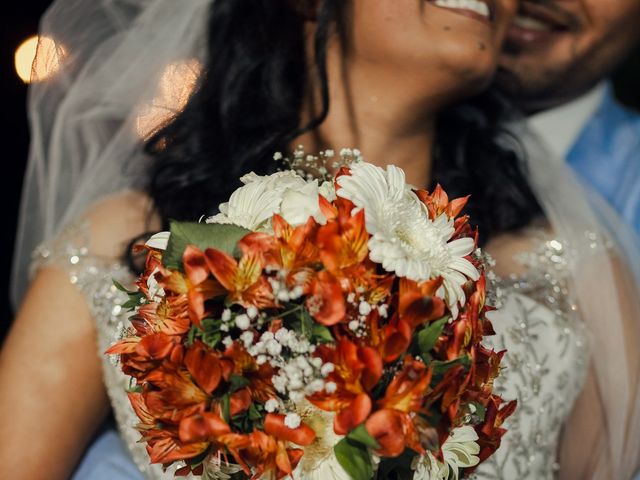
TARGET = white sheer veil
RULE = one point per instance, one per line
(605, 277)
(116, 70)
(106, 74)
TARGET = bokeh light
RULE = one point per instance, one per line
(177, 83)
(50, 57)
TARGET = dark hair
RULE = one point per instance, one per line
(248, 106)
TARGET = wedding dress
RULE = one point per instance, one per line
(537, 323)
(88, 124)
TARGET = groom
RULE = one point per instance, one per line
(559, 55)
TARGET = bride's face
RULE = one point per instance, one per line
(456, 41)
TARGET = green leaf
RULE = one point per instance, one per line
(122, 288)
(254, 413)
(306, 323)
(237, 382)
(354, 458)
(397, 467)
(191, 336)
(440, 368)
(361, 435)
(481, 411)
(226, 407)
(130, 305)
(203, 236)
(211, 339)
(321, 334)
(429, 335)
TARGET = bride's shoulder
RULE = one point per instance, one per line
(113, 222)
(100, 237)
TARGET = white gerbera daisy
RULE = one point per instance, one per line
(460, 450)
(403, 237)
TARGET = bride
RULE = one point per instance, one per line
(158, 107)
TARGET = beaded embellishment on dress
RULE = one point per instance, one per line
(545, 365)
(94, 277)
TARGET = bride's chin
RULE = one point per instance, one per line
(471, 72)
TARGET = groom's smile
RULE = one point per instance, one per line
(539, 22)
(559, 49)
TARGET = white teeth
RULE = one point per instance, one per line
(476, 6)
(529, 23)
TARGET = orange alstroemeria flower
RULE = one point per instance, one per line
(390, 340)
(490, 431)
(418, 303)
(297, 246)
(343, 242)
(202, 427)
(269, 452)
(487, 368)
(243, 280)
(357, 370)
(207, 367)
(140, 355)
(185, 294)
(408, 388)
(326, 303)
(175, 395)
(259, 376)
(394, 431)
(171, 316)
(392, 425)
(153, 264)
(163, 443)
(293, 252)
(438, 203)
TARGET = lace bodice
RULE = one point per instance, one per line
(545, 365)
(537, 323)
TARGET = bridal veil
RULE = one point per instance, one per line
(119, 69)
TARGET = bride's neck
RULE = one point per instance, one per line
(380, 113)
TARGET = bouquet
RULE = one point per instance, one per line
(316, 330)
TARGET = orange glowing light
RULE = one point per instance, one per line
(47, 63)
(177, 83)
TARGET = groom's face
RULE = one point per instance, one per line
(558, 49)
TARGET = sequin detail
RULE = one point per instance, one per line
(94, 278)
(546, 362)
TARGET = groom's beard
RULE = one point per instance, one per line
(538, 75)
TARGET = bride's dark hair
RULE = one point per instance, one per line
(248, 106)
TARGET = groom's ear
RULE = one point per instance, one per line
(307, 9)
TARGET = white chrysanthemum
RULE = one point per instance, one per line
(252, 205)
(159, 241)
(319, 461)
(217, 469)
(404, 240)
(427, 467)
(328, 191)
(460, 450)
(156, 292)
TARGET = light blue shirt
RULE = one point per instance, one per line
(606, 156)
(107, 459)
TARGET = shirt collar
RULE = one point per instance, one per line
(560, 127)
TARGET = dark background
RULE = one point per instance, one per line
(20, 21)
